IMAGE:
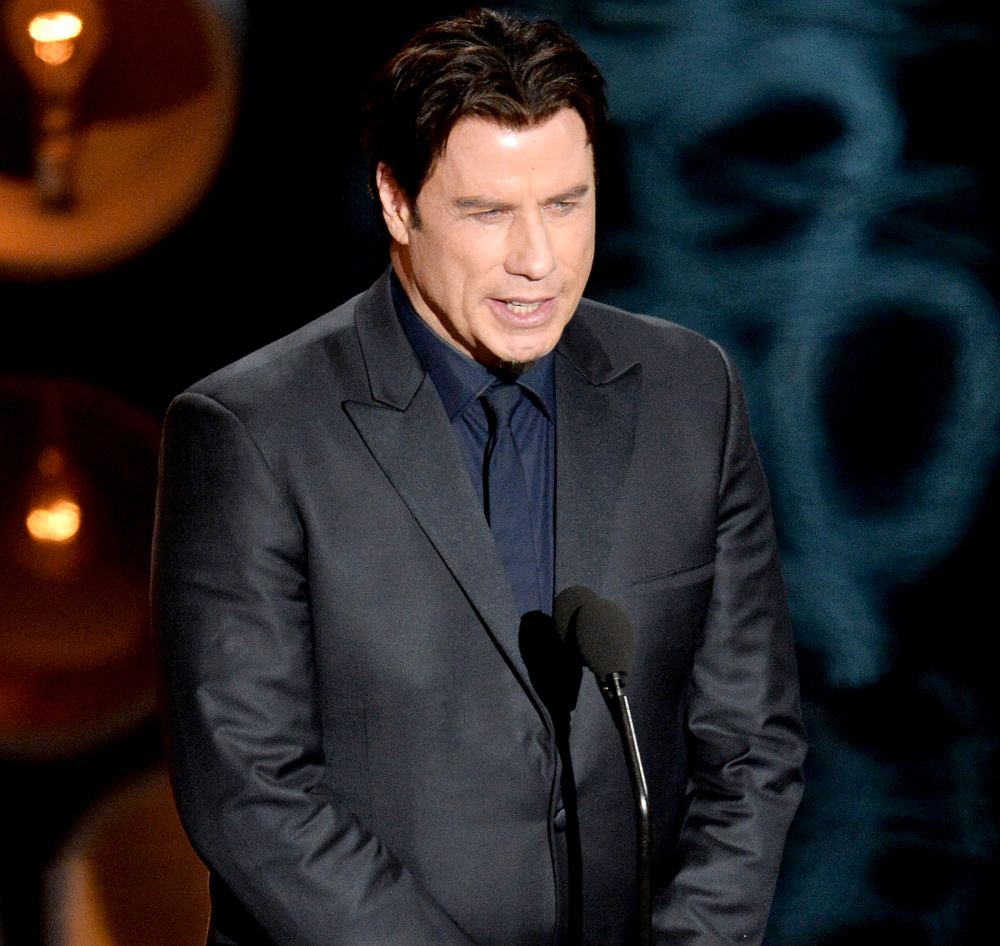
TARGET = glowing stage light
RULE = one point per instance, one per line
(54, 35)
(56, 49)
(131, 108)
(60, 522)
(76, 495)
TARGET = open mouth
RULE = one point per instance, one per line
(519, 307)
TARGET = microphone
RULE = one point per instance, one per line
(606, 641)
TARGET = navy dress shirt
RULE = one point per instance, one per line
(460, 381)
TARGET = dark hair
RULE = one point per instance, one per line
(483, 64)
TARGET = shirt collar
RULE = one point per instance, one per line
(461, 380)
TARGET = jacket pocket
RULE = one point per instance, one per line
(674, 579)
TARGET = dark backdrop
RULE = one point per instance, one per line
(813, 184)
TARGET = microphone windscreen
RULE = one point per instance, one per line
(605, 637)
(564, 608)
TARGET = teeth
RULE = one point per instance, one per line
(523, 308)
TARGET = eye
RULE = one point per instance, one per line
(561, 207)
(486, 216)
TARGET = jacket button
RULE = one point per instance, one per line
(559, 821)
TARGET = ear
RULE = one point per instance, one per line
(395, 206)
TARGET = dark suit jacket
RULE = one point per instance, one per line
(358, 752)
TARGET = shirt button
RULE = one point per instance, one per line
(559, 821)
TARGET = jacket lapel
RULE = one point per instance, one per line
(595, 435)
(408, 433)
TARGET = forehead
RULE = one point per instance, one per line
(485, 153)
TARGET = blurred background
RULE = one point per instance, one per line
(813, 183)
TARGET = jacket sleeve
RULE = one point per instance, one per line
(746, 741)
(234, 645)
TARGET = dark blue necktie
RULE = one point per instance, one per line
(505, 497)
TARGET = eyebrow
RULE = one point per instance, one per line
(487, 203)
(574, 193)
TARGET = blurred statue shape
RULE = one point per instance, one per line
(77, 482)
(117, 117)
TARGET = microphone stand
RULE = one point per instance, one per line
(613, 689)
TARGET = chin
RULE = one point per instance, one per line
(529, 350)
(523, 356)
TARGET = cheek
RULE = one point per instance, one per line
(436, 271)
(577, 249)
(457, 265)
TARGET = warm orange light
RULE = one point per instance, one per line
(51, 27)
(58, 523)
(53, 34)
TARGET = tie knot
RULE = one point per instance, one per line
(500, 402)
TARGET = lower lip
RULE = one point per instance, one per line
(527, 319)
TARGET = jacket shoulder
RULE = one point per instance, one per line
(666, 350)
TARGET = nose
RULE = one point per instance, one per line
(529, 248)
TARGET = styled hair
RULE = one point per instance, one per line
(483, 64)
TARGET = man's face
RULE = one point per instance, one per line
(497, 256)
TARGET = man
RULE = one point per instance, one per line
(361, 527)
